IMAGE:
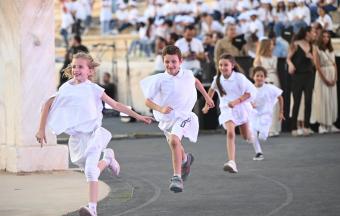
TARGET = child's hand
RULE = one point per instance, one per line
(281, 116)
(166, 109)
(41, 137)
(232, 104)
(145, 119)
(209, 102)
(205, 109)
(253, 105)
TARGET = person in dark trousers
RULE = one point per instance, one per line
(301, 68)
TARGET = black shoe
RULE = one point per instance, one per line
(258, 156)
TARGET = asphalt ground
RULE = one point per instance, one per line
(298, 176)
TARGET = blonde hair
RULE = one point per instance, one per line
(263, 50)
(92, 64)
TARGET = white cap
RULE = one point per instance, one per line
(159, 22)
(122, 6)
(266, 1)
(243, 16)
(188, 19)
(159, 2)
(263, 38)
(133, 3)
(252, 13)
(229, 20)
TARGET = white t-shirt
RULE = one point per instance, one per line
(326, 20)
(178, 92)
(77, 108)
(303, 13)
(235, 86)
(266, 98)
(196, 46)
(256, 26)
(106, 10)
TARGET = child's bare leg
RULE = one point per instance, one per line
(230, 126)
(176, 153)
(246, 132)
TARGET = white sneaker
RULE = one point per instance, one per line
(86, 211)
(230, 166)
(333, 129)
(113, 165)
(322, 129)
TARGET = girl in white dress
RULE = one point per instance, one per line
(172, 95)
(76, 109)
(266, 98)
(324, 102)
(235, 92)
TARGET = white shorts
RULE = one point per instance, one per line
(181, 127)
(83, 144)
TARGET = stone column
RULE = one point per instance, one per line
(27, 78)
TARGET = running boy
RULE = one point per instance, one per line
(172, 95)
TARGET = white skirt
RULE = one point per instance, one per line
(261, 124)
(239, 114)
(80, 145)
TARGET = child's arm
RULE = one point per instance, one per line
(206, 107)
(40, 135)
(281, 114)
(208, 99)
(152, 105)
(122, 108)
(239, 100)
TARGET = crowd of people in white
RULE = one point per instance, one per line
(264, 30)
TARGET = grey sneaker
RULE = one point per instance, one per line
(176, 184)
(186, 166)
(258, 156)
(230, 166)
(86, 211)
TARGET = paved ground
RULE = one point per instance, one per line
(299, 176)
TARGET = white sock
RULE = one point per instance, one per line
(257, 145)
(93, 206)
(178, 175)
(185, 159)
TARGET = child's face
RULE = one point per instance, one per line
(226, 67)
(259, 78)
(172, 64)
(80, 70)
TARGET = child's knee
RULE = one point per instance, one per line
(174, 142)
(92, 173)
(230, 134)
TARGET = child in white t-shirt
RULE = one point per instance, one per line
(261, 119)
(235, 93)
(172, 95)
(76, 109)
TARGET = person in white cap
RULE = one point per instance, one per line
(280, 18)
(200, 8)
(209, 25)
(255, 25)
(324, 19)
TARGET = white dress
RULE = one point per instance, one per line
(77, 111)
(265, 100)
(178, 92)
(324, 102)
(235, 86)
(270, 64)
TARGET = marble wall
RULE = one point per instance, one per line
(27, 78)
